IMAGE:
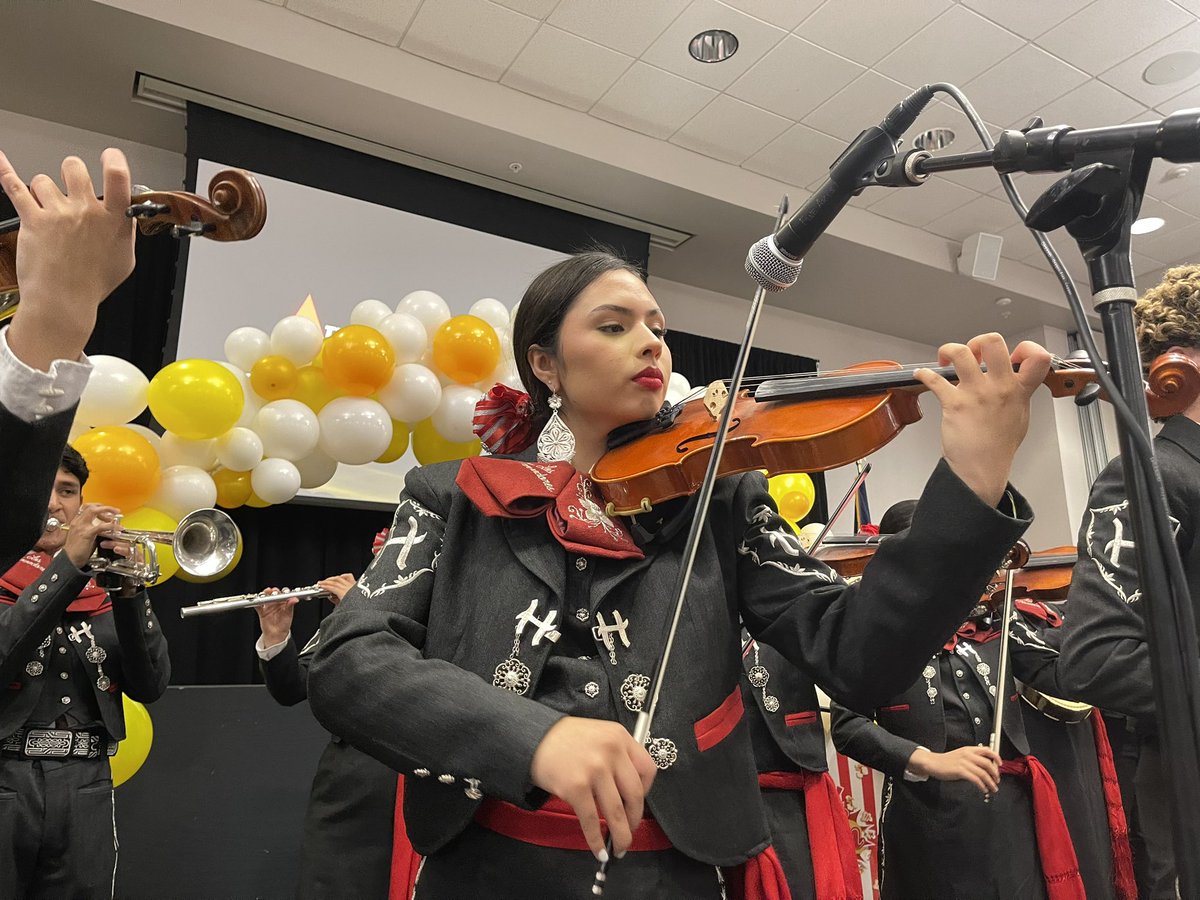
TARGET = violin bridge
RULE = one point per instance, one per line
(715, 399)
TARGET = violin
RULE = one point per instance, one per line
(236, 210)
(1046, 575)
(849, 555)
(816, 422)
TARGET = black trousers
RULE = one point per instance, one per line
(57, 831)
(789, 835)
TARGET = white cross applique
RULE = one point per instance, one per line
(1114, 547)
(604, 632)
(406, 542)
(545, 627)
(78, 632)
(1106, 546)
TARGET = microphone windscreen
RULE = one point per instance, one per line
(770, 268)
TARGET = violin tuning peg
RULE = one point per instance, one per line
(190, 229)
(1088, 395)
(146, 210)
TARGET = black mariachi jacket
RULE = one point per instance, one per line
(136, 664)
(916, 717)
(1106, 660)
(788, 708)
(406, 661)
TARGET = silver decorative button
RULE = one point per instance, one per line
(472, 789)
(581, 564)
(53, 578)
(662, 751)
(63, 675)
(958, 672)
(149, 626)
(446, 779)
(591, 689)
(978, 720)
(43, 587)
(581, 614)
(33, 669)
(33, 599)
(966, 695)
(66, 700)
(62, 649)
(421, 773)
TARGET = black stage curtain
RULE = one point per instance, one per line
(703, 360)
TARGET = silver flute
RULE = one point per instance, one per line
(249, 601)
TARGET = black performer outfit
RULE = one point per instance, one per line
(410, 659)
(1106, 659)
(61, 715)
(927, 826)
(347, 847)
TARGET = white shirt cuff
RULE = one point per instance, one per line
(266, 654)
(909, 775)
(31, 394)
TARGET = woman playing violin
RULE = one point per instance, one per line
(498, 648)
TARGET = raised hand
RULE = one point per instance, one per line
(985, 416)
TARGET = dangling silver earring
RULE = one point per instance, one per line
(556, 443)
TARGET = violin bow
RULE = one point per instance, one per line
(841, 507)
(641, 728)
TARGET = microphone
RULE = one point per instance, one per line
(774, 262)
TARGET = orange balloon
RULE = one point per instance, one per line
(358, 360)
(399, 445)
(256, 501)
(273, 377)
(123, 466)
(313, 388)
(233, 488)
(430, 447)
(466, 349)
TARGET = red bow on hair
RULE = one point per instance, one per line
(504, 420)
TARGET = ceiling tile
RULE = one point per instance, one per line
(485, 49)
(794, 78)
(946, 114)
(1169, 181)
(862, 103)
(274, 2)
(920, 206)
(955, 47)
(629, 26)
(1109, 31)
(652, 101)
(1018, 241)
(1071, 258)
(1173, 216)
(730, 130)
(786, 14)
(1143, 264)
(1091, 105)
(798, 156)
(380, 20)
(1029, 185)
(1028, 18)
(670, 51)
(1143, 115)
(867, 30)
(539, 9)
(981, 214)
(1189, 99)
(564, 68)
(1021, 85)
(1171, 245)
(1127, 77)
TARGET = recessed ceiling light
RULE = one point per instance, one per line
(1172, 67)
(934, 139)
(713, 46)
(1147, 225)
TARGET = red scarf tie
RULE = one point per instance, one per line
(92, 600)
(831, 843)
(1118, 831)
(513, 489)
(1060, 867)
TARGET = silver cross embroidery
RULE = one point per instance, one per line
(545, 627)
(604, 633)
(1114, 547)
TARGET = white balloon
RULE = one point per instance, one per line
(455, 415)
(184, 489)
(275, 480)
(427, 308)
(153, 437)
(491, 311)
(370, 312)
(239, 449)
(678, 383)
(246, 346)
(810, 533)
(511, 377)
(406, 335)
(512, 317)
(288, 430)
(316, 469)
(176, 451)
(78, 428)
(253, 401)
(297, 338)
(354, 430)
(115, 392)
(412, 394)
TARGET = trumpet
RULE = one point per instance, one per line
(206, 544)
(249, 601)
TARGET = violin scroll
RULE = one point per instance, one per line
(235, 211)
(1172, 384)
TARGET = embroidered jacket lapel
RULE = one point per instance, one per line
(534, 547)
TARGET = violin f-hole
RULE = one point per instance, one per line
(708, 437)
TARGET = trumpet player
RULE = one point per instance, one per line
(68, 650)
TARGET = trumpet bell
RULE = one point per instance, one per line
(207, 544)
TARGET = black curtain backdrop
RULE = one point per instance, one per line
(703, 360)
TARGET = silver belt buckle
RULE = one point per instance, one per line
(41, 742)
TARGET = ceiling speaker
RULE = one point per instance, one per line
(980, 256)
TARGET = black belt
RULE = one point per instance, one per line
(60, 743)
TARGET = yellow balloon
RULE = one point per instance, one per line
(139, 735)
(123, 465)
(274, 378)
(358, 360)
(794, 494)
(256, 501)
(197, 399)
(466, 349)
(147, 519)
(430, 447)
(233, 488)
(313, 388)
(399, 445)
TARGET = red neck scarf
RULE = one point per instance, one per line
(984, 630)
(92, 600)
(1060, 867)
(513, 489)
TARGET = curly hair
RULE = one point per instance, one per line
(1169, 315)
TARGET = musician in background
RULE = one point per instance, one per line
(75, 250)
(347, 849)
(1106, 660)
(68, 650)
